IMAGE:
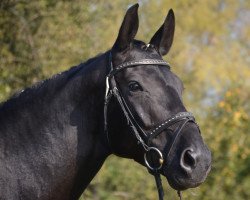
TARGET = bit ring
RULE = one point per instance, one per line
(161, 160)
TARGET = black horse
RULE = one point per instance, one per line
(55, 136)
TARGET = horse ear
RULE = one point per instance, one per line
(128, 28)
(163, 38)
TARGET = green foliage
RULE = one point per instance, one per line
(210, 53)
(231, 150)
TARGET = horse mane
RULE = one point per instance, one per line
(41, 87)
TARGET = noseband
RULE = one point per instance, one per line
(145, 138)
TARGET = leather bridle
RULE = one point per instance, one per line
(144, 138)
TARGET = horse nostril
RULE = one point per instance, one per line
(188, 160)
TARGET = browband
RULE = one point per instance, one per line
(136, 63)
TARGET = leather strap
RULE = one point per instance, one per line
(169, 122)
(159, 185)
(128, 64)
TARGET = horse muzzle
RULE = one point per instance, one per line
(191, 170)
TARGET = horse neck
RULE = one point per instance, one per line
(92, 142)
(57, 132)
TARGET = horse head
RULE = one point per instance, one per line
(147, 121)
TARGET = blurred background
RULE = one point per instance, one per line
(211, 54)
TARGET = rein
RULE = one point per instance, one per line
(145, 138)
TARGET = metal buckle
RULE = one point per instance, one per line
(160, 158)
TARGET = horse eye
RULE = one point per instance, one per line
(134, 86)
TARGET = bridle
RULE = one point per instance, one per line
(144, 138)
